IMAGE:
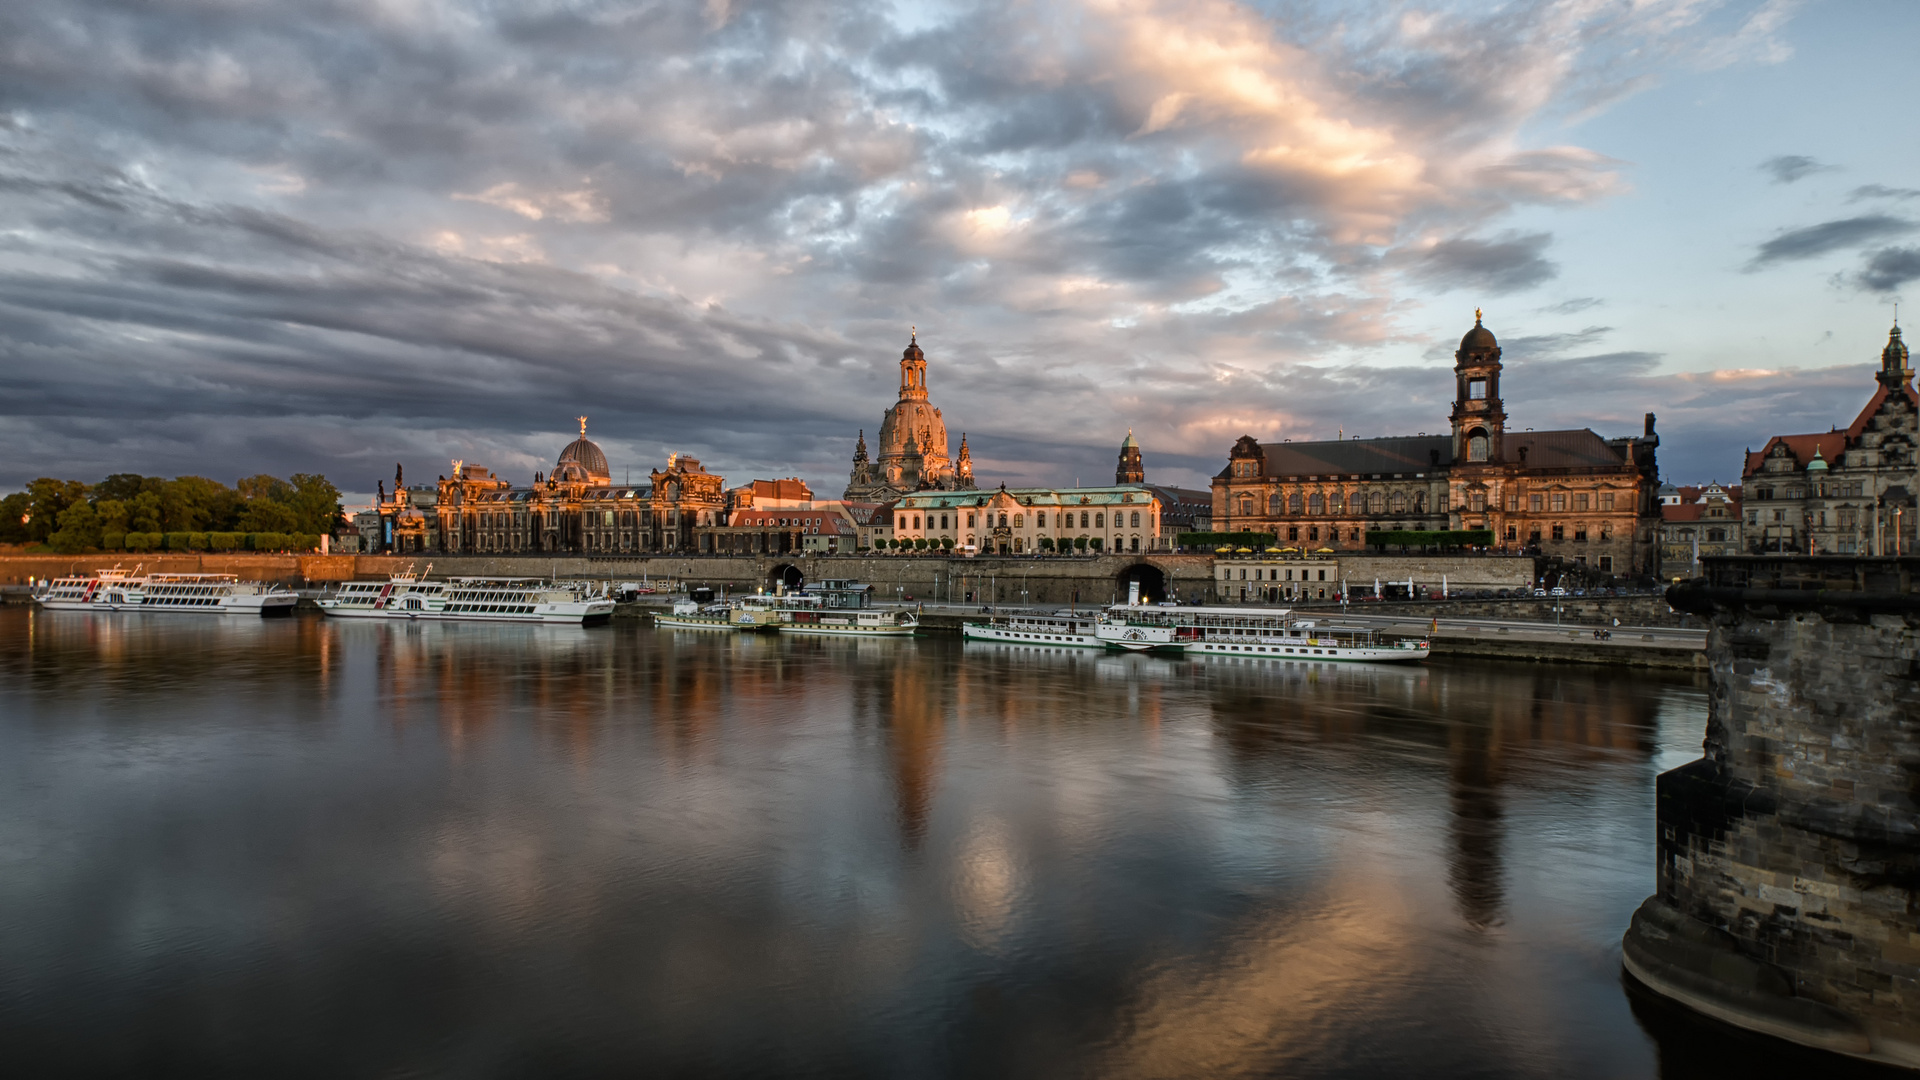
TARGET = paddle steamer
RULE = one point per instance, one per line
(1065, 629)
(1257, 632)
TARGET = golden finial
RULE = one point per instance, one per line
(913, 334)
(1476, 316)
(583, 427)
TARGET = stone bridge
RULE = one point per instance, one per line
(1789, 854)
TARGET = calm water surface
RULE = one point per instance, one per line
(299, 847)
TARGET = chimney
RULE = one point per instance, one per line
(1649, 425)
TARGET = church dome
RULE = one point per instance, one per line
(1478, 339)
(1818, 464)
(1131, 443)
(585, 453)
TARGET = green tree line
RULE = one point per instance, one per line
(136, 512)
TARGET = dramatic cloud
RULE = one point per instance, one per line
(1788, 168)
(1890, 268)
(1829, 236)
(326, 237)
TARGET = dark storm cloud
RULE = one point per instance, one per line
(1512, 263)
(1788, 168)
(1890, 268)
(1813, 240)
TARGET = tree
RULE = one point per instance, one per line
(1046, 543)
(267, 515)
(79, 529)
(14, 508)
(1095, 543)
(946, 543)
(315, 502)
(50, 498)
(1080, 543)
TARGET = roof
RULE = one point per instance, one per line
(790, 488)
(1577, 448)
(1396, 454)
(586, 453)
(1831, 443)
(1119, 495)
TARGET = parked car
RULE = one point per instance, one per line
(1556, 591)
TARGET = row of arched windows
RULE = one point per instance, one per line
(1089, 519)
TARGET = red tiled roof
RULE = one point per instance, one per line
(1831, 444)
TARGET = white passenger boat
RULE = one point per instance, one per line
(462, 599)
(842, 622)
(1065, 629)
(129, 590)
(1257, 632)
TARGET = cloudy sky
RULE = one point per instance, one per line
(240, 236)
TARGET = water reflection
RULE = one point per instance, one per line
(362, 848)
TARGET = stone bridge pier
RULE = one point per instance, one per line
(1789, 854)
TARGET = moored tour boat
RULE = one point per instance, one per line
(1250, 632)
(1068, 630)
(124, 590)
(475, 599)
(841, 622)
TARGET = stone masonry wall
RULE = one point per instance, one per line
(1793, 846)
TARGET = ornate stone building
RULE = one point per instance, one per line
(1026, 521)
(1848, 491)
(1567, 493)
(1695, 523)
(912, 444)
(575, 509)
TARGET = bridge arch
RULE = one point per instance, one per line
(785, 575)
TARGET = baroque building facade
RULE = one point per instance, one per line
(1847, 491)
(1025, 521)
(1572, 494)
(574, 509)
(912, 444)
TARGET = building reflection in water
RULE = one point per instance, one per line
(754, 854)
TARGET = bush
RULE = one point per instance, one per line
(269, 541)
(919, 543)
(223, 541)
(113, 541)
(1095, 543)
(177, 541)
(197, 541)
(946, 543)
(1080, 543)
(1046, 543)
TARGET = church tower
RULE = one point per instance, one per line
(913, 370)
(1130, 470)
(963, 467)
(1479, 416)
(1895, 370)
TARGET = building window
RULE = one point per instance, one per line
(1316, 504)
(1135, 544)
(1293, 503)
(1353, 535)
(1276, 503)
(1293, 532)
(903, 523)
(1100, 520)
(943, 521)
(1580, 501)
(1580, 534)
(1513, 533)
(1606, 503)
(1559, 501)
(1336, 502)
(1246, 507)
(916, 521)
(1559, 532)
(1136, 520)
(1377, 502)
(1397, 502)
(1533, 503)
(1019, 521)
(969, 519)
(1477, 502)
(1313, 533)
(1606, 564)
(1477, 447)
(1083, 519)
(1477, 389)
(1323, 575)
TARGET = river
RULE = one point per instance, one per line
(303, 847)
